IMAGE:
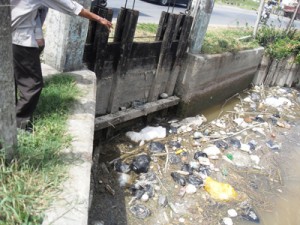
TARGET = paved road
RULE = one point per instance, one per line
(222, 15)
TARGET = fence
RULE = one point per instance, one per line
(135, 73)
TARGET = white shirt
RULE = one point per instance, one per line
(23, 16)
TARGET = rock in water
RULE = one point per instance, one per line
(140, 211)
(140, 164)
(156, 147)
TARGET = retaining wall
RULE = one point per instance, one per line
(208, 79)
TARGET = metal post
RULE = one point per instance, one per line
(293, 18)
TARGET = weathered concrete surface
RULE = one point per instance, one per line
(65, 39)
(71, 206)
(8, 130)
(208, 79)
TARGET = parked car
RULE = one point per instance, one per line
(171, 2)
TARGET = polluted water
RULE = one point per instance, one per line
(238, 168)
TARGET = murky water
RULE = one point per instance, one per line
(286, 209)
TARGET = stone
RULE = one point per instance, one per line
(163, 95)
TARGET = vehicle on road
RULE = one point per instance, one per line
(171, 2)
(289, 7)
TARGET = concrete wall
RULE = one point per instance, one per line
(8, 130)
(208, 79)
(65, 39)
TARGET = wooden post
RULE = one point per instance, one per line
(8, 130)
(165, 49)
(260, 10)
(128, 18)
(201, 10)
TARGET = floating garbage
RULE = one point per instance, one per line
(147, 134)
(235, 142)
(250, 215)
(232, 213)
(195, 180)
(190, 189)
(174, 159)
(140, 211)
(272, 145)
(189, 123)
(156, 147)
(227, 221)
(277, 102)
(120, 166)
(140, 164)
(197, 135)
(175, 144)
(212, 151)
(179, 179)
(221, 144)
(219, 191)
(162, 201)
(187, 168)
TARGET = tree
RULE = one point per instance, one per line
(8, 130)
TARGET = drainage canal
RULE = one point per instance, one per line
(239, 167)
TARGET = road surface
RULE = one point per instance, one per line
(222, 15)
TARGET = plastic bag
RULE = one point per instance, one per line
(219, 191)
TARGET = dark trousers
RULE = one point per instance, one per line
(29, 82)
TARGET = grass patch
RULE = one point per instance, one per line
(245, 4)
(219, 40)
(32, 180)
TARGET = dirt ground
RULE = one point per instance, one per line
(257, 131)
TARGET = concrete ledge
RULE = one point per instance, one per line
(71, 205)
(129, 114)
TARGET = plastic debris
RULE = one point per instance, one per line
(272, 145)
(211, 151)
(179, 179)
(187, 168)
(197, 135)
(229, 156)
(190, 189)
(140, 211)
(235, 142)
(175, 144)
(277, 102)
(250, 215)
(138, 104)
(120, 166)
(140, 164)
(147, 134)
(227, 221)
(124, 179)
(221, 144)
(190, 122)
(255, 159)
(232, 213)
(219, 191)
(156, 147)
(174, 159)
(162, 201)
(195, 180)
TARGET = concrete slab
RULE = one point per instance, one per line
(71, 205)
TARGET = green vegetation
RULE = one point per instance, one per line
(280, 44)
(219, 40)
(245, 4)
(30, 182)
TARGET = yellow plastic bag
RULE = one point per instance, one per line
(219, 191)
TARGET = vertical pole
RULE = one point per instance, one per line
(260, 10)
(293, 18)
(201, 11)
(8, 130)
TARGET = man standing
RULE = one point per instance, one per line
(26, 53)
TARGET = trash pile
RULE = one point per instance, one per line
(193, 171)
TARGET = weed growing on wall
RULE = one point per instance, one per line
(278, 43)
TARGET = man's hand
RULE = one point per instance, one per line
(105, 23)
(92, 16)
